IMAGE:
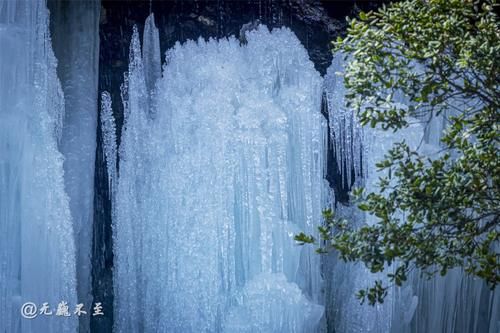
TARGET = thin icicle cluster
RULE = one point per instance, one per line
(346, 133)
(217, 175)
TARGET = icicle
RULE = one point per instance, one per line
(109, 140)
(151, 53)
(130, 212)
(345, 130)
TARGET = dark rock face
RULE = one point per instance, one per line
(315, 23)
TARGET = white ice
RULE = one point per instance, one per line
(37, 249)
(216, 176)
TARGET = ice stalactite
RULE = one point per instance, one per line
(215, 179)
(37, 249)
(151, 56)
(454, 303)
(75, 38)
(109, 141)
(345, 131)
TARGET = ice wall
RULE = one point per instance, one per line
(75, 38)
(215, 178)
(37, 250)
(454, 303)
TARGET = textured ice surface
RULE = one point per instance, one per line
(271, 304)
(108, 127)
(37, 250)
(216, 176)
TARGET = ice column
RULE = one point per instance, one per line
(75, 29)
(109, 141)
(37, 250)
(214, 181)
(151, 52)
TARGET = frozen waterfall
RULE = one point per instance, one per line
(221, 164)
(37, 249)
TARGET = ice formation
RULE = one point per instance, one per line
(345, 131)
(151, 57)
(269, 303)
(454, 303)
(108, 127)
(216, 176)
(222, 161)
(37, 250)
(75, 39)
